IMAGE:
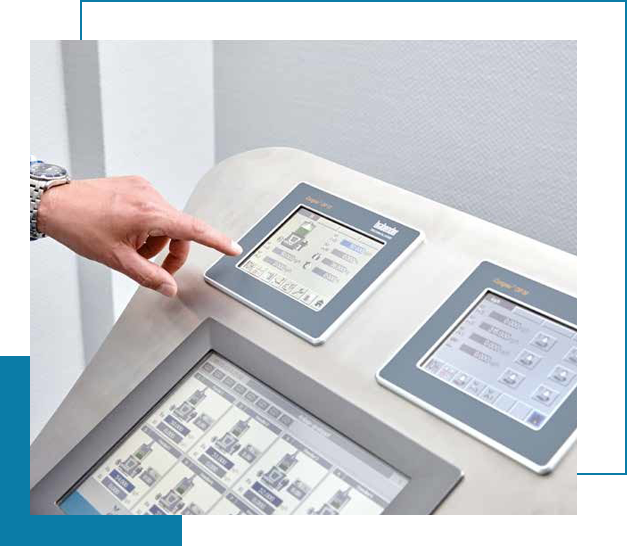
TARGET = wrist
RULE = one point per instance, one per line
(43, 178)
(48, 208)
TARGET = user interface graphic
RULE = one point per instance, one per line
(224, 443)
(311, 258)
(511, 358)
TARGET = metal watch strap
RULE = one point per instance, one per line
(37, 189)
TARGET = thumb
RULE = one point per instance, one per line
(147, 273)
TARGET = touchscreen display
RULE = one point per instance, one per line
(224, 443)
(310, 258)
(516, 360)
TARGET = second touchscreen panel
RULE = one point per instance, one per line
(516, 360)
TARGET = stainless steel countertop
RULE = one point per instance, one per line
(235, 195)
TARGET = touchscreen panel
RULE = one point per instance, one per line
(224, 443)
(516, 360)
(310, 258)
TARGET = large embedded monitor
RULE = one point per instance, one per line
(206, 436)
(312, 260)
(499, 360)
(224, 443)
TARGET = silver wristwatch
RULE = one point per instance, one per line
(43, 176)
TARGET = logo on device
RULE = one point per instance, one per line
(382, 226)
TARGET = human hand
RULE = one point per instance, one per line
(122, 222)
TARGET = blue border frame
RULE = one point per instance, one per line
(580, 474)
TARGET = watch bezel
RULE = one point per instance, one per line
(43, 178)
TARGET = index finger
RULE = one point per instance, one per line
(179, 225)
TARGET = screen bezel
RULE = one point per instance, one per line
(539, 450)
(314, 326)
(431, 478)
(172, 390)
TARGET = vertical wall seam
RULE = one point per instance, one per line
(83, 101)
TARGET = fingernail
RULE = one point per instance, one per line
(236, 248)
(167, 289)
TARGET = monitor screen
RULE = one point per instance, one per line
(310, 257)
(510, 357)
(221, 442)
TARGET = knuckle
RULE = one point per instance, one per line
(114, 260)
(117, 260)
(147, 279)
(175, 263)
(197, 227)
(148, 210)
(138, 181)
(179, 260)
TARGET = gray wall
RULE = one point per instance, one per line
(486, 127)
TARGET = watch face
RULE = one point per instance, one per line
(47, 171)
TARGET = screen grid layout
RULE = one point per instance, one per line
(224, 443)
(310, 258)
(513, 359)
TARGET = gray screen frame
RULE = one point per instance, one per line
(313, 326)
(431, 478)
(538, 450)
